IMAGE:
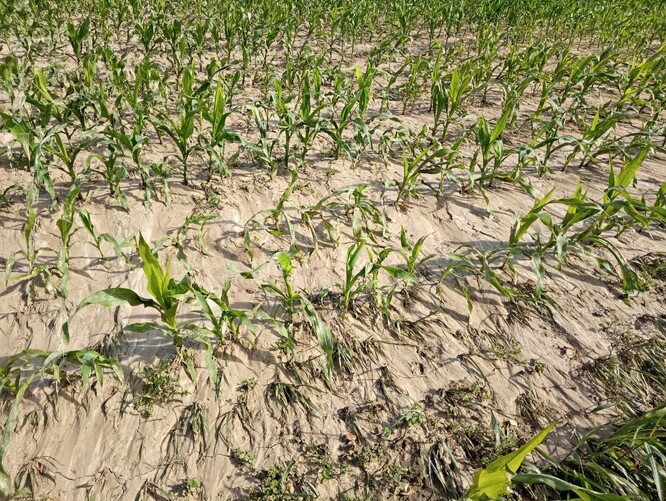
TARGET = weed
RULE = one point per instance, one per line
(160, 386)
(243, 457)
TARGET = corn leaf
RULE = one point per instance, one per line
(496, 478)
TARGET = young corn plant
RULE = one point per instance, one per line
(615, 461)
(263, 150)
(596, 219)
(65, 226)
(132, 144)
(335, 128)
(219, 133)
(182, 130)
(448, 94)
(114, 172)
(99, 238)
(411, 252)
(423, 163)
(229, 321)
(68, 153)
(309, 120)
(77, 36)
(594, 142)
(167, 295)
(270, 220)
(491, 146)
(290, 300)
(29, 252)
(47, 270)
(358, 281)
(33, 143)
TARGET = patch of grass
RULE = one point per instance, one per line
(189, 489)
(652, 268)
(320, 456)
(278, 484)
(368, 454)
(634, 376)
(461, 394)
(243, 457)
(482, 444)
(160, 386)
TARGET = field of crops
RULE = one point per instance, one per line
(333, 249)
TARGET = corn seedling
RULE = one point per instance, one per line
(166, 294)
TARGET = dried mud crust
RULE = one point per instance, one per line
(416, 404)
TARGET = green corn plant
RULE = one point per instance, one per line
(133, 144)
(438, 96)
(365, 216)
(263, 150)
(115, 65)
(113, 173)
(545, 136)
(335, 128)
(161, 171)
(448, 95)
(47, 105)
(287, 118)
(597, 218)
(616, 461)
(364, 93)
(414, 86)
(217, 116)
(199, 220)
(33, 145)
(177, 42)
(12, 78)
(490, 142)
(352, 206)
(594, 142)
(132, 92)
(355, 280)
(98, 238)
(549, 79)
(494, 481)
(412, 171)
(389, 91)
(29, 252)
(287, 295)
(65, 226)
(228, 321)
(309, 121)
(290, 299)
(68, 153)
(411, 253)
(200, 32)
(167, 295)
(270, 219)
(182, 130)
(147, 35)
(475, 262)
(77, 36)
